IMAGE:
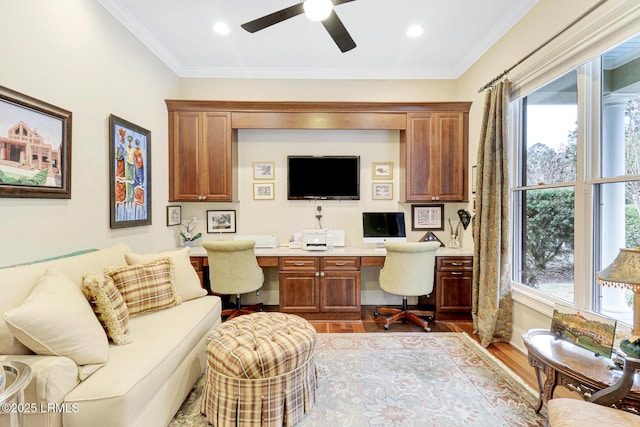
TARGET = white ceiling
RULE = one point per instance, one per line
(457, 33)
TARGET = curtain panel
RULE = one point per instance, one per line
(492, 308)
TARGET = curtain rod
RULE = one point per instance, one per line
(537, 49)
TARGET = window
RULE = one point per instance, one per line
(576, 185)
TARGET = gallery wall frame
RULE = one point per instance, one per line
(427, 217)
(35, 148)
(174, 215)
(263, 191)
(129, 174)
(221, 221)
(382, 191)
(264, 170)
(381, 171)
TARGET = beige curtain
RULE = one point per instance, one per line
(492, 303)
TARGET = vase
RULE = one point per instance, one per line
(188, 243)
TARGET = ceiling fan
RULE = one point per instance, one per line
(329, 19)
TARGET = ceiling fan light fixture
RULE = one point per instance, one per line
(221, 28)
(317, 10)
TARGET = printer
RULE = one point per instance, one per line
(316, 240)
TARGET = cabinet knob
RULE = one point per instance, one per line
(204, 197)
(317, 273)
(322, 273)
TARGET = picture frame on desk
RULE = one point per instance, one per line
(585, 329)
(36, 152)
(219, 221)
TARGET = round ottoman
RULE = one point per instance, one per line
(260, 371)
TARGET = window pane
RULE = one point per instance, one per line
(547, 225)
(551, 116)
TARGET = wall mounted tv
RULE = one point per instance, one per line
(323, 177)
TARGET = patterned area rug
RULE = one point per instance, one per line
(406, 379)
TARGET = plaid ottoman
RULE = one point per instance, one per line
(260, 371)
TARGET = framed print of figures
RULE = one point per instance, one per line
(382, 191)
(129, 173)
(264, 170)
(35, 148)
(263, 191)
(174, 215)
(221, 221)
(382, 171)
(427, 217)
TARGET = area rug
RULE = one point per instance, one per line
(406, 379)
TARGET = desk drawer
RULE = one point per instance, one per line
(340, 263)
(299, 263)
(450, 263)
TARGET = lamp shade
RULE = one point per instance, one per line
(624, 271)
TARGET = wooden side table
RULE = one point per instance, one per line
(578, 370)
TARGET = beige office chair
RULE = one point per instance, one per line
(233, 269)
(408, 271)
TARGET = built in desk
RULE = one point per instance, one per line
(325, 285)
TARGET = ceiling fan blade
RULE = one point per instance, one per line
(274, 18)
(339, 2)
(338, 32)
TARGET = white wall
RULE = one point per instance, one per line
(75, 55)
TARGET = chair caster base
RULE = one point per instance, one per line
(386, 326)
(427, 329)
(375, 314)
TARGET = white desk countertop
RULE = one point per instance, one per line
(340, 251)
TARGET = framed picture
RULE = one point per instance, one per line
(591, 331)
(382, 171)
(264, 170)
(35, 151)
(129, 174)
(263, 191)
(382, 191)
(221, 221)
(174, 215)
(427, 217)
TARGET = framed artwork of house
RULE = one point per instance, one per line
(35, 148)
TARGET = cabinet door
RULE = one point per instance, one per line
(453, 291)
(299, 292)
(200, 147)
(434, 154)
(184, 156)
(340, 292)
(215, 162)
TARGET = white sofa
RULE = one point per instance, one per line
(142, 383)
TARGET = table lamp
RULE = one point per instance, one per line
(624, 273)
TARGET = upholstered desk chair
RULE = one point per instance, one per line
(408, 271)
(234, 269)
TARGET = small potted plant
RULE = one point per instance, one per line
(187, 232)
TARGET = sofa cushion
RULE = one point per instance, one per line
(56, 320)
(109, 306)
(187, 281)
(145, 287)
(16, 283)
(121, 390)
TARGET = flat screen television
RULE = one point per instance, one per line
(323, 177)
(380, 227)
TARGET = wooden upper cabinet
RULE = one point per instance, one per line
(201, 146)
(434, 152)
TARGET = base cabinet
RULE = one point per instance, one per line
(320, 287)
(454, 276)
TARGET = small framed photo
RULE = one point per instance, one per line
(263, 191)
(427, 217)
(585, 329)
(264, 170)
(382, 191)
(381, 171)
(221, 221)
(174, 215)
(430, 237)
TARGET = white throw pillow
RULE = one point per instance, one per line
(56, 320)
(186, 279)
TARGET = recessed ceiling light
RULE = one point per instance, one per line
(415, 31)
(221, 28)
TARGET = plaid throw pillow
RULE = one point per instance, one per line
(109, 307)
(145, 287)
